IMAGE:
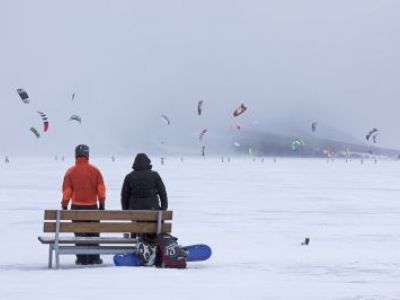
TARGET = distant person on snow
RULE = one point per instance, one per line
(83, 183)
(143, 189)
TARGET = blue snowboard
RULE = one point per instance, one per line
(199, 252)
(127, 260)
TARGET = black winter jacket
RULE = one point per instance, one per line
(143, 188)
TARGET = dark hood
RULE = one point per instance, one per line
(142, 162)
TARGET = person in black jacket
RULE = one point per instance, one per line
(143, 188)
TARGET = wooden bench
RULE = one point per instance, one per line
(108, 221)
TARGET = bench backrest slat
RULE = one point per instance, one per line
(97, 215)
(107, 227)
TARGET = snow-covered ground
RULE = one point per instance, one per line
(254, 215)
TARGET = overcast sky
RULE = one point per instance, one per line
(291, 62)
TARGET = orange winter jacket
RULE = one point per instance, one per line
(84, 184)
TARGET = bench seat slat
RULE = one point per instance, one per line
(117, 215)
(111, 250)
(107, 227)
(87, 240)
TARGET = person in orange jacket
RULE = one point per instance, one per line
(84, 186)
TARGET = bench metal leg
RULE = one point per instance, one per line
(57, 259)
(50, 256)
(159, 221)
(57, 236)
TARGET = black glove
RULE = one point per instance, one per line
(65, 207)
(102, 206)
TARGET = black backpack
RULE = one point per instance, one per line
(169, 253)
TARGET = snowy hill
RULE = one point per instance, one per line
(274, 144)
